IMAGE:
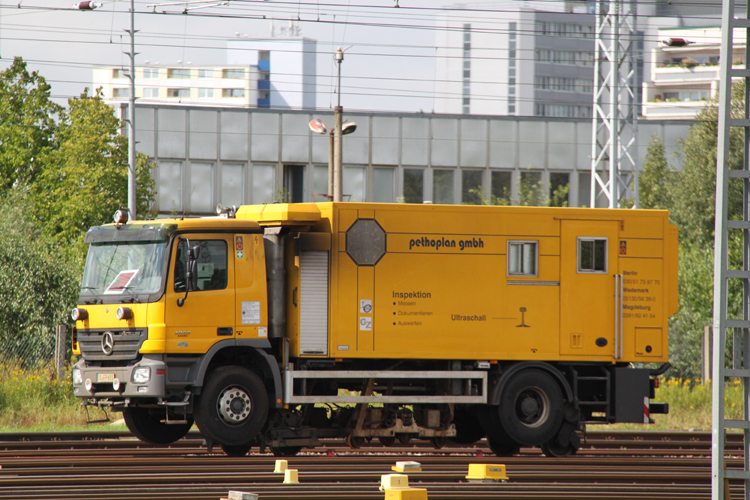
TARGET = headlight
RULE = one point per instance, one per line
(77, 377)
(141, 375)
(79, 314)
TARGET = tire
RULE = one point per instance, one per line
(149, 427)
(239, 450)
(387, 441)
(285, 451)
(503, 448)
(559, 448)
(469, 429)
(531, 408)
(233, 406)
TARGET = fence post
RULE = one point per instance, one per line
(60, 338)
(706, 354)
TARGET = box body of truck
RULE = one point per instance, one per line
(409, 321)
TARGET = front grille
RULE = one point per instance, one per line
(127, 343)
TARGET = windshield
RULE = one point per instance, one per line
(129, 268)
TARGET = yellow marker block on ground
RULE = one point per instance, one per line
(407, 467)
(391, 481)
(406, 494)
(281, 466)
(290, 476)
(483, 472)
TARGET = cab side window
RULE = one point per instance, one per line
(211, 266)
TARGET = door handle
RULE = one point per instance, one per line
(224, 332)
(294, 296)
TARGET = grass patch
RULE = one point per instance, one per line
(33, 400)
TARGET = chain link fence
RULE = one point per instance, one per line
(50, 350)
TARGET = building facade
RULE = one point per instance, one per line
(685, 72)
(516, 58)
(207, 156)
(276, 73)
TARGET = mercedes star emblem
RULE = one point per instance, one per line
(108, 343)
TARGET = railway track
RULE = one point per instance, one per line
(113, 465)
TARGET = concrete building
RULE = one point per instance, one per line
(685, 72)
(229, 85)
(207, 156)
(516, 58)
(277, 73)
(287, 69)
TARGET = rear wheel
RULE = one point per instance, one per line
(232, 407)
(531, 408)
(387, 441)
(149, 425)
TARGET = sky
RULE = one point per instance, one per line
(388, 64)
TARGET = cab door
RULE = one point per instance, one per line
(588, 265)
(207, 315)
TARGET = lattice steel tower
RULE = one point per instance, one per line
(739, 366)
(614, 175)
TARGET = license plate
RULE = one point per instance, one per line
(105, 377)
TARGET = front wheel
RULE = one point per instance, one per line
(236, 450)
(149, 426)
(232, 407)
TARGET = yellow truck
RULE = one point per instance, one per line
(283, 324)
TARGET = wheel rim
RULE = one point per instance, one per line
(235, 405)
(532, 407)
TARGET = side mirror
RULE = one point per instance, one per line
(191, 277)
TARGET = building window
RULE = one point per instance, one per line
(150, 92)
(413, 185)
(442, 186)
(178, 73)
(522, 258)
(466, 101)
(120, 92)
(178, 92)
(233, 92)
(206, 93)
(592, 255)
(511, 68)
(471, 187)
(385, 182)
(119, 73)
(568, 57)
(234, 73)
(564, 30)
(563, 110)
(150, 72)
(500, 186)
(559, 189)
(205, 74)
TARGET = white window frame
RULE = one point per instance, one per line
(524, 272)
(579, 254)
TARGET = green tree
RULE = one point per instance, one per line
(38, 283)
(529, 194)
(654, 180)
(27, 125)
(694, 196)
(88, 177)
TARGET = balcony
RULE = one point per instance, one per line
(264, 65)
(264, 103)
(264, 84)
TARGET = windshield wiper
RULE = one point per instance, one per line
(134, 297)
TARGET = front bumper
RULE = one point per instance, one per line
(116, 382)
